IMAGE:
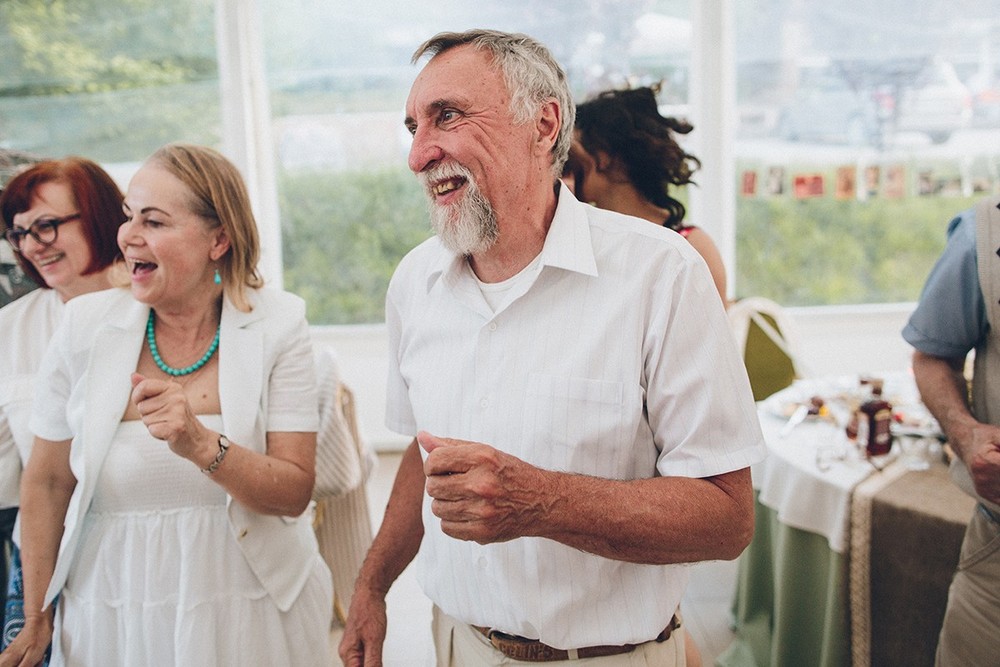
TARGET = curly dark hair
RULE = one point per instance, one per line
(628, 127)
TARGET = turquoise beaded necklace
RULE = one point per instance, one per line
(169, 370)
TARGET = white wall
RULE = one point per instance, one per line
(843, 340)
(361, 354)
(831, 341)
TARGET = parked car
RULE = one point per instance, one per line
(937, 103)
(826, 108)
(983, 82)
(866, 103)
(986, 107)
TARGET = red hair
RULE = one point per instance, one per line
(98, 200)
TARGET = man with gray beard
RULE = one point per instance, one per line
(583, 421)
(470, 226)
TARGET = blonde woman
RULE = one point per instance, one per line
(185, 491)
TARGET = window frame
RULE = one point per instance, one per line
(247, 137)
(837, 339)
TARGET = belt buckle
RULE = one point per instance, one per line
(522, 648)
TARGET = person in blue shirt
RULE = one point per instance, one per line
(956, 314)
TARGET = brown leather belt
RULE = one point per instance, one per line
(532, 650)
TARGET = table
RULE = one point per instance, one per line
(797, 602)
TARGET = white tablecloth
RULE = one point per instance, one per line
(791, 482)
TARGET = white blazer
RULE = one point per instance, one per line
(266, 383)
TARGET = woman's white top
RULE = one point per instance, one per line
(26, 325)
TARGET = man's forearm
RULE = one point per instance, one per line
(944, 390)
(399, 536)
(654, 521)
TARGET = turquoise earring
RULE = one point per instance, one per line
(218, 279)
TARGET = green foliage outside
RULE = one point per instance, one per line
(343, 234)
(115, 80)
(824, 251)
(112, 81)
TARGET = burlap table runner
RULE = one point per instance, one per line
(906, 533)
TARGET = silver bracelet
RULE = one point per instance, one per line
(223, 448)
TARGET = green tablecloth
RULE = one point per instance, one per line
(793, 601)
(791, 604)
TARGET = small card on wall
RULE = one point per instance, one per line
(873, 178)
(775, 185)
(846, 184)
(807, 185)
(748, 183)
(895, 182)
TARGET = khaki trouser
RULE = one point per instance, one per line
(970, 636)
(459, 645)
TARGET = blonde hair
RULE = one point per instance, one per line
(219, 196)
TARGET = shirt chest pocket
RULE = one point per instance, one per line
(577, 424)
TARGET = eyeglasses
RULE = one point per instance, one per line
(44, 231)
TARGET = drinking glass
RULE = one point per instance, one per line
(914, 450)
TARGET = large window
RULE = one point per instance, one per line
(859, 128)
(863, 129)
(339, 75)
(111, 81)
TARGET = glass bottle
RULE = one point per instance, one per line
(870, 423)
(875, 414)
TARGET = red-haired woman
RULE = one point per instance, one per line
(61, 218)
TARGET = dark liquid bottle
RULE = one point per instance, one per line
(876, 414)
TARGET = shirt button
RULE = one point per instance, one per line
(484, 403)
(482, 563)
(493, 326)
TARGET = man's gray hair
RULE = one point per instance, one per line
(532, 75)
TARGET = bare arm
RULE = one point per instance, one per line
(703, 243)
(277, 482)
(485, 495)
(46, 488)
(944, 391)
(395, 545)
(652, 521)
